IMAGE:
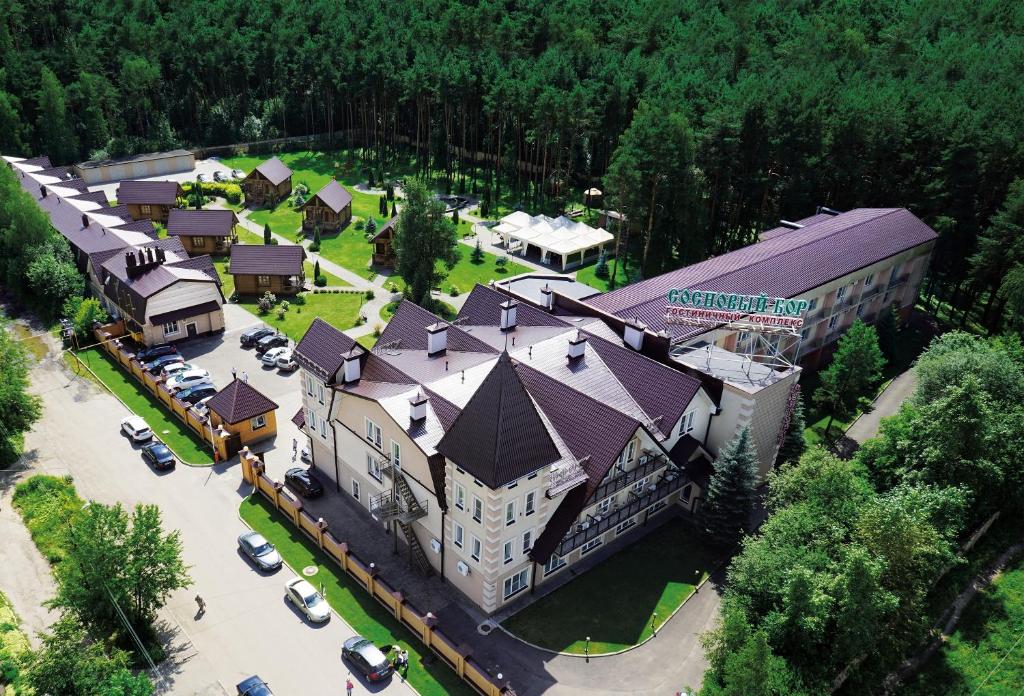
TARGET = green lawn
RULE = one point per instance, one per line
(466, 274)
(368, 617)
(349, 249)
(368, 341)
(340, 310)
(15, 649)
(616, 602)
(47, 504)
(586, 275)
(171, 431)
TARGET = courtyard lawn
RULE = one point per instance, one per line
(340, 310)
(466, 274)
(172, 432)
(347, 597)
(616, 602)
(349, 249)
(586, 275)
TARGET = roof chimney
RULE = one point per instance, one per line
(577, 346)
(417, 406)
(149, 255)
(129, 259)
(549, 297)
(85, 221)
(508, 315)
(142, 257)
(634, 333)
(351, 365)
(42, 191)
(437, 338)
(161, 255)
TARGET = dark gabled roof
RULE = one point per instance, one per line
(273, 170)
(43, 161)
(62, 173)
(238, 402)
(786, 265)
(200, 223)
(683, 449)
(321, 348)
(386, 227)
(202, 263)
(445, 410)
(94, 197)
(148, 192)
(145, 226)
(299, 419)
(185, 312)
(499, 436)
(267, 259)
(558, 524)
(483, 308)
(783, 229)
(120, 210)
(76, 184)
(409, 326)
(333, 195)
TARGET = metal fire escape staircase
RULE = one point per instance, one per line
(399, 505)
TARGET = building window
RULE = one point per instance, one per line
(658, 506)
(832, 322)
(804, 334)
(508, 552)
(373, 433)
(198, 242)
(686, 423)
(323, 428)
(639, 486)
(355, 489)
(895, 272)
(373, 467)
(320, 389)
(474, 548)
(590, 546)
(687, 491)
(478, 509)
(814, 303)
(458, 534)
(145, 209)
(171, 328)
(531, 503)
(311, 420)
(510, 512)
(860, 310)
(309, 386)
(527, 541)
(869, 280)
(744, 336)
(258, 422)
(604, 506)
(623, 526)
(460, 495)
(840, 294)
(553, 564)
(396, 455)
(517, 583)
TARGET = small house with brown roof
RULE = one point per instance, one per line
(203, 231)
(268, 184)
(277, 268)
(330, 208)
(383, 244)
(241, 415)
(149, 199)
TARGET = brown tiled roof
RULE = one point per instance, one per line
(120, 210)
(43, 161)
(274, 170)
(783, 229)
(409, 325)
(482, 308)
(238, 402)
(321, 348)
(63, 173)
(185, 312)
(333, 195)
(145, 226)
(784, 266)
(383, 228)
(202, 263)
(79, 185)
(444, 409)
(149, 192)
(683, 450)
(267, 259)
(299, 419)
(499, 436)
(93, 196)
(200, 223)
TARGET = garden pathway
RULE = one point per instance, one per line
(885, 404)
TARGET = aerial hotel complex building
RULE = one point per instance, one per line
(549, 420)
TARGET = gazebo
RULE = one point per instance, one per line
(572, 242)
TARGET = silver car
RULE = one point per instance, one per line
(260, 551)
(304, 596)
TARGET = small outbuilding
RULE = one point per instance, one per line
(383, 244)
(268, 184)
(203, 231)
(330, 208)
(144, 166)
(152, 200)
(277, 268)
(239, 416)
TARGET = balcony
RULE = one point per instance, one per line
(594, 527)
(388, 506)
(564, 478)
(817, 315)
(384, 462)
(846, 303)
(898, 282)
(870, 293)
(646, 465)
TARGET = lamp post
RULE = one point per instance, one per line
(586, 649)
(654, 621)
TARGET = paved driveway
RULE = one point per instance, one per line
(206, 167)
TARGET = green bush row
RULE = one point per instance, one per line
(48, 504)
(232, 193)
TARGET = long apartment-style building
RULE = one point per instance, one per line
(547, 421)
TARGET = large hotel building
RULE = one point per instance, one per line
(548, 420)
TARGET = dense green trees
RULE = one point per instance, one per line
(18, 409)
(729, 501)
(853, 374)
(793, 443)
(424, 240)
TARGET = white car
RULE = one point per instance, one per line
(270, 357)
(304, 596)
(286, 361)
(174, 368)
(136, 428)
(189, 378)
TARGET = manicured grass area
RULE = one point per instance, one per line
(985, 656)
(616, 602)
(349, 249)
(368, 341)
(168, 429)
(47, 504)
(340, 310)
(587, 275)
(466, 274)
(368, 617)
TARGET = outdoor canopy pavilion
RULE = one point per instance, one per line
(570, 240)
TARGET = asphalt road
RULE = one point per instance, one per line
(248, 627)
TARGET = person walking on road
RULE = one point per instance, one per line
(348, 687)
(234, 373)
(245, 376)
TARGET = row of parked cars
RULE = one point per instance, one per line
(188, 382)
(271, 348)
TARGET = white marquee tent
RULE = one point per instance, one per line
(570, 240)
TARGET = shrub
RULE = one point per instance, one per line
(299, 299)
(360, 225)
(453, 291)
(315, 246)
(601, 270)
(377, 329)
(232, 193)
(280, 312)
(285, 305)
(320, 281)
(48, 504)
(478, 254)
(266, 303)
(371, 227)
(501, 262)
(370, 294)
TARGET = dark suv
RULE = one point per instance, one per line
(367, 658)
(154, 352)
(303, 482)
(272, 341)
(249, 338)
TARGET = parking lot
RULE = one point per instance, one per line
(206, 167)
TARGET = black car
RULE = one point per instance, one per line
(272, 341)
(158, 455)
(196, 394)
(367, 658)
(157, 364)
(152, 353)
(303, 482)
(253, 686)
(249, 338)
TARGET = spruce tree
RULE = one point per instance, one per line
(315, 246)
(478, 254)
(382, 206)
(267, 235)
(601, 269)
(729, 500)
(316, 270)
(793, 445)
(455, 218)
(371, 226)
(197, 194)
(394, 209)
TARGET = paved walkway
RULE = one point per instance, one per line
(886, 404)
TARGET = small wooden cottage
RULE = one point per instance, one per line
(383, 248)
(151, 200)
(239, 416)
(258, 268)
(203, 231)
(268, 184)
(331, 208)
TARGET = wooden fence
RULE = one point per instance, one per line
(424, 626)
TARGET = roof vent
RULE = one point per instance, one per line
(577, 346)
(827, 211)
(549, 297)
(508, 315)
(634, 333)
(437, 338)
(417, 406)
(790, 224)
(351, 366)
(42, 191)
(85, 221)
